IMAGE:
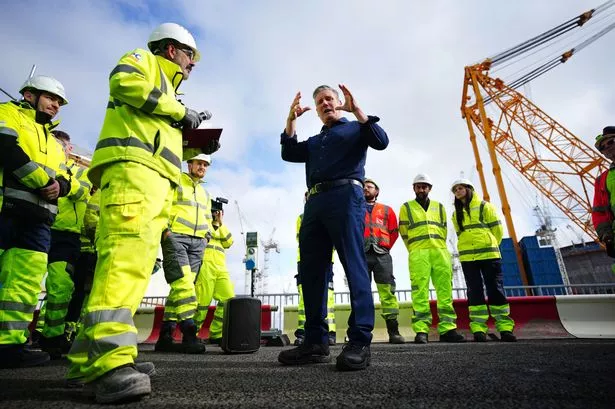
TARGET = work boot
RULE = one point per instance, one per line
(452, 336)
(353, 357)
(507, 336)
(165, 341)
(421, 338)
(393, 330)
(190, 342)
(55, 346)
(146, 368)
(480, 337)
(17, 356)
(215, 341)
(332, 338)
(119, 385)
(305, 354)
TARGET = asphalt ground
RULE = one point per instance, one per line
(556, 373)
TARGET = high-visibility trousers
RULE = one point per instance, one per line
(63, 256)
(182, 256)
(23, 263)
(434, 265)
(135, 204)
(213, 283)
(488, 273)
(381, 266)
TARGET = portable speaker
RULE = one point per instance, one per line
(241, 330)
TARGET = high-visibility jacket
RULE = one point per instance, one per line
(381, 230)
(603, 209)
(19, 187)
(482, 232)
(191, 211)
(72, 207)
(90, 223)
(141, 108)
(221, 239)
(422, 229)
(298, 225)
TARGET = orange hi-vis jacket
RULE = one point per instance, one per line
(602, 210)
(380, 227)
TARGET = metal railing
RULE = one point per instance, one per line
(282, 300)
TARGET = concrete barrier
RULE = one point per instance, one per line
(587, 316)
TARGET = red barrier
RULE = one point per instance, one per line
(535, 317)
(204, 330)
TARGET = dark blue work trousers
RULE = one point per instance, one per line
(335, 218)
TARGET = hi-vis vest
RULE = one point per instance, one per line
(140, 111)
(422, 229)
(602, 209)
(72, 207)
(377, 231)
(18, 188)
(298, 225)
(482, 232)
(221, 239)
(191, 211)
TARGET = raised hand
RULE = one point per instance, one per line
(296, 110)
(350, 105)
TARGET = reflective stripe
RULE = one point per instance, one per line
(163, 83)
(444, 318)
(228, 236)
(122, 315)
(101, 346)
(30, 197)
(390, 311)
(25, 170)
(16, 306)
(4, 130)
(126, 69)
(53, 322)
(202, 308)
(137, 143)
(152, 101)
(211, 246)
(185, 203)
(186, 314)
(422, 315)
(425, 237)
(415, 288)
(13, 325)
(425, 222)
(79, 193)
(493, 224)
(478, 318)
(185, 301)
(186, 223)
(93, 207)
(479, 251)
(479, 312)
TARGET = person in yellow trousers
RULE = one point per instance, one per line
(31, 180)
(479, 232)
(63, 255)
(422, 225)
(183, 244)
(136, 164)
(214, 279)
(300, 331)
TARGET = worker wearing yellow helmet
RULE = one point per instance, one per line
(31, 183)
(422, 225)
(479, 232)
(136, 164)
(183, 244)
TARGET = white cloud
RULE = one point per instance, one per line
(402, 60)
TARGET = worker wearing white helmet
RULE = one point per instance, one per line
(183, 244)
(31, 161)
(136, 164)
(422, 225)
(479, 232)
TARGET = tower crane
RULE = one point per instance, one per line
(565, 175)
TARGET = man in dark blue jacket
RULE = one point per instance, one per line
(333, 217)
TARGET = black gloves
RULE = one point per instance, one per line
(212, 147)
(64, 186)
(192, 119)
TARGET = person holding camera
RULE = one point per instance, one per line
(604, 193)
(214, 279)
(183, 244)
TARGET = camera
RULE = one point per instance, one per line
(216, 204)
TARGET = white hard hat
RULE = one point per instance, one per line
(201, 156)
(422, 178)
(174, 32)
(462, 181)
(47, 84)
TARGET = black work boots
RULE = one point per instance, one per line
(393, 330)
(191, 344)
(20, 356)
(305, 354)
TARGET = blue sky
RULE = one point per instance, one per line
(402, 60)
